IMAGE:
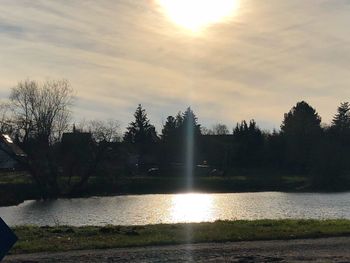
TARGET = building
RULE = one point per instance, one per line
(11, 154)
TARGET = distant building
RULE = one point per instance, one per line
(76, 139)
(77, 151)
(10, 153)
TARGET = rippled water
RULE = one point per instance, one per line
(175, 208)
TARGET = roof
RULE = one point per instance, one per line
(7, 145)
(76, 137)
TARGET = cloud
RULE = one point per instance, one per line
(117, 54)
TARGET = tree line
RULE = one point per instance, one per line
(37, 114)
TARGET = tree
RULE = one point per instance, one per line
(301, 129)
(6, 122)
(217, 129)
(301, 120)
(341, 121)
(41, 112)
(275, 150)
(141, 137)
(104, 131)
(140, 132)
(248, 144)
(169, 129)
(332, 162)
(42, 109)
(176, 133)
(190, 122)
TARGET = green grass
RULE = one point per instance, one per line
(294, 179)
(64, 238)
(15, 178)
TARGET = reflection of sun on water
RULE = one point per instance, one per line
(195, 15)
(192, 208)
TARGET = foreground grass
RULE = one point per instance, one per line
(64, 238)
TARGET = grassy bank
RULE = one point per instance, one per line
(64, 238)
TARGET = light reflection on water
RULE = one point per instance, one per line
(192, 208)
(176, 208)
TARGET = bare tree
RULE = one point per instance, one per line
(42, 109)
(20, 100)
(220, 129)
(7, 125)
(205, 131)
(42, 112)
(217, 129)
(107, 131)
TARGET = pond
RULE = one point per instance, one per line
(176, 208)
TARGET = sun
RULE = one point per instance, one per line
(195, 15)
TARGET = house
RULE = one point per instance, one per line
(10, 153)
(76, 145)
(76, 140)
(76, 153)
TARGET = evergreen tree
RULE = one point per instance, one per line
(341, 121)
(140, 132)
(301, 120)
(333, 156)
(301, 129)
(169, 129)
(175, 133)
(190, 123)
(179, 119)
(275, 150)
(248, 144)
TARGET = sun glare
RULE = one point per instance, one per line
(192, 208)
(195, 15)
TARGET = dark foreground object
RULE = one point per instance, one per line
(302, 250)
(7, 239)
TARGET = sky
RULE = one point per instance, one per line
(254, 64)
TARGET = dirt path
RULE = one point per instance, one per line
(302, 250)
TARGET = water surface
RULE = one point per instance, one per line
(176, 208)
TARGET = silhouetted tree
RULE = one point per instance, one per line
(104, 131)
(140, 132)
(42, 109)
(7, 125)
(217, 129)
(190, 122)
(248, 144)
(331, 166)
(142, 137)
(301, 120)
(170, 140)
(341, 121)
(169, 129)
(275, 151)
(301, 128)
(175, 135)
(41, 112)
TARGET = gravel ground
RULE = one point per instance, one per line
(302, 250)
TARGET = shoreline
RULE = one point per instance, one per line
(16, 188)
(17, 202)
